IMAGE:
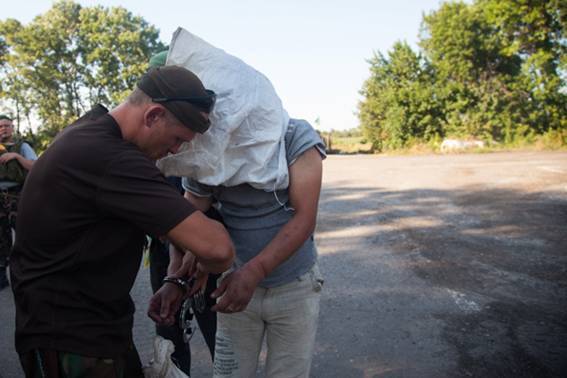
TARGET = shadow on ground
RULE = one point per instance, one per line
(470, 282)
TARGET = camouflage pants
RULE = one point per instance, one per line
(42, 363)
(8, 209)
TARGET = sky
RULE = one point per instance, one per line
(314, 52)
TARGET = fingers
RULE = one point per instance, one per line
(223, 305)
(230, 301)
(199, 283)
(225, 301)
(188, 266)
(228, 305)
(192, 268)
(164, 304)
(165, 309)
(183, 270)
(221, 289)
(153, 309)
(6, 157)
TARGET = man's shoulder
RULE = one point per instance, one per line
(95, 126)
(92, 115)
(94, 118)
(300, 137)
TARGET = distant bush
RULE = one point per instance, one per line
(490, 70)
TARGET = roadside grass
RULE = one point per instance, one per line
(348, 145)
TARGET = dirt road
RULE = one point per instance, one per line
(436, 266)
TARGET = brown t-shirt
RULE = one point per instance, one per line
(83, 214)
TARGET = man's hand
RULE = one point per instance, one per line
(190, 268)
(6, 157)
(236, 289)
(165, 303)
(187, 267)
(200, 278)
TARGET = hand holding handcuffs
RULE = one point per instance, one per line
(195, 303)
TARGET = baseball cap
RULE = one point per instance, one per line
(158, 59)
(181, 92)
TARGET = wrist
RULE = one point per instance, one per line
(179, 282)
(256, 270)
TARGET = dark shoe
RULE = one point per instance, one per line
(3, 278)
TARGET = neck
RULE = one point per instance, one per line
(128, 119)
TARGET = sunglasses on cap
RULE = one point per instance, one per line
(204, 103)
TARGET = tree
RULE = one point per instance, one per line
(70, 58)
(493, 69)
(400, 106)
(534, 32)
(497, 64)
(474, 70)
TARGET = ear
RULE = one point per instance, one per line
(153, 115)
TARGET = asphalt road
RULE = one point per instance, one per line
(435, 266)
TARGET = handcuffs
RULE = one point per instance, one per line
(195, 303)
(180, 282)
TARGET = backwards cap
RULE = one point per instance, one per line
(181, 92)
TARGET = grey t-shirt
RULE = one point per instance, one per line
(27, 152)
(253, 217)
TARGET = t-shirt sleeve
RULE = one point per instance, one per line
(196, 188)
(134, 189)
(27, 152)
(300, 137)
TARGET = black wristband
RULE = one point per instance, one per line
(180, 282)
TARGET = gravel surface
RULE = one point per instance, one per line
(435, 266)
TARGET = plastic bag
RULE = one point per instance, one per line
(245, 143)
(161, 365)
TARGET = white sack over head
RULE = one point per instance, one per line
(245, 143)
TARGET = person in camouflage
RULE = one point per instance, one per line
(16, 159)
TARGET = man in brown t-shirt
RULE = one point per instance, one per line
(84, 212)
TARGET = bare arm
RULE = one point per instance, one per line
(304, 189)
(175, 253)
(188, 264)
(175, 260)
(207, 240)
(201, 203)
(26, 163)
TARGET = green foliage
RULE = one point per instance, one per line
(349, 133)
(553, 139)
(493, 69)
(400, 100)
(71, 58)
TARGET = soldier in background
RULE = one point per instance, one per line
(16, 159)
